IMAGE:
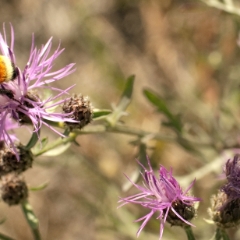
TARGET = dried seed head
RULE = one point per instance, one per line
(225, 211)
(10, 163)
(186, 211)
(80, 109)
(13, 189)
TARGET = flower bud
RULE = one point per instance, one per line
(9, 161)
(232, 171)
(80, 109)
(186, 211)
(225, 211)
(13, 189)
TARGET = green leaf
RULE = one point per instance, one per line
(174, 121)
(122, 105)
(40, 187)
(76, 143)
(127, 93)
(97, 113)
(44, 142)
(66, 132)
(33, 140)
(158, 102)
(57, 150)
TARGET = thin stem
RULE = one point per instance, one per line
(31, 219)
(189, 233)
(56, 143)
(218, 235)
(4, 237)
(224, 235)
(121, 129)
(221, 234)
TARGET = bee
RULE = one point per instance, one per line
(8, 72)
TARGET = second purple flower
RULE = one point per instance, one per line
(163, 196)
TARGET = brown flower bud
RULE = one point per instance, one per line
(9, 161)
(80, 109)
(13, 189)
(225, 211)
(186, 211)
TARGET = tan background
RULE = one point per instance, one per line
(178, 48)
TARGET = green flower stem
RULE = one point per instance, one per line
(56, 143)
(118, 128)
(31, 219)
(4, 237)
(121, 129)
(221, 234)
(189, 233)
(218, 235)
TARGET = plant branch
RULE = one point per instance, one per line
(55, 144)
(31, 219)
(121, 129)
(189, 233)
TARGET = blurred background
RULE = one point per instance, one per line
(185, 51)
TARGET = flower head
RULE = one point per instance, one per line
(164, 196)
(9, 159)
(22, 91)
(13, 189)
(80, 109)
(232, 171)
(224, 210)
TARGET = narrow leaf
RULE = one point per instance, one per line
(174, 121)
(58, 150)
(44, 142)
(100, 112)
(33, 140)
(127, 93)
(158, 102)
(40, 187)
(122, 105)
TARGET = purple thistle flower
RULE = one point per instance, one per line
(232, 171)
(24, 100)
(8, 126)
(163, 195)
